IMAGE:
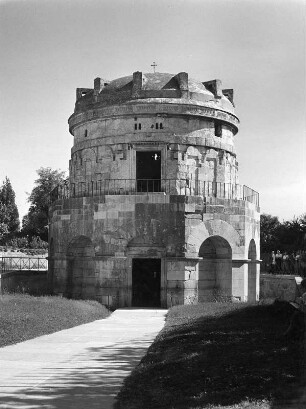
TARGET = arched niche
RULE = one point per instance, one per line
(212, 228)
(80, 267)
(215, 269)
(252, 250)
(252, 272)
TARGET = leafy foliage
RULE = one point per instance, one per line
(35, 223)
(9, 217)
(34, 242)
(269, 232)
(286, 236)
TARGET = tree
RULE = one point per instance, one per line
(35, 223)
(287, 236)
(293, 234)
(3, 223)
(9, 216)
(269, 233)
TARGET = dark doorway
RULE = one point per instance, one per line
(146, 282)
(148, 171)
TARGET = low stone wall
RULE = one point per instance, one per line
(281, 287)
(26, 281)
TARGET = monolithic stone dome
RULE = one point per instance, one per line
(159, 92)
(175, 88)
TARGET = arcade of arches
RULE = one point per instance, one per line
(215, 277)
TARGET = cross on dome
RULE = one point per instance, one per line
(154, 65)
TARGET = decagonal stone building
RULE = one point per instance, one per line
(153, 214)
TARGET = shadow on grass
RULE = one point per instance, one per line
(222, 355)
(90, 380)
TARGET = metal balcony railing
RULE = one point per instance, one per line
(184, 187)
(8, 263)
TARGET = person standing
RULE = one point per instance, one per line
(273, 263)
(297, 263)
(286, 263)
(291, 263)
(278, 259)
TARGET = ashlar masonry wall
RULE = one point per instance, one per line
(172, 228)
(181, 227)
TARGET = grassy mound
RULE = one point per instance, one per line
(24, 317)
(215, 355)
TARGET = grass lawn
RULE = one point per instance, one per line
(24, 317)
(216, 355)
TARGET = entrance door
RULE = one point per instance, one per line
(148, 171)
(146, 282)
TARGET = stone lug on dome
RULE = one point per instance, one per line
(229, 93)
(182, 79)
(99, 85)
(215, 86)
(137, 84)
(80, 92)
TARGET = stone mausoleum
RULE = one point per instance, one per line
(153, 214)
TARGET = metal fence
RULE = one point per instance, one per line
(185, 187)
(22, 263)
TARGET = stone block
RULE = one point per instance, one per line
(175, 284)
(190, 207)
(176, 275)
(191, 284)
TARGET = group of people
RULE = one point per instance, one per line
(284, 263)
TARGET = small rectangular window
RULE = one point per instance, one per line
(139, 126)
(161, 126)
(135, 127)
(156, 125)
(218, 129)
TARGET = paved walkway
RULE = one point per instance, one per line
(82, 367)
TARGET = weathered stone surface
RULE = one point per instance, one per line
(194, 217)
(281, 287)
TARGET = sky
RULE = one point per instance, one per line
(257, 47)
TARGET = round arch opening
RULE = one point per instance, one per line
(80, 267)
(252, 273)
(215, 269)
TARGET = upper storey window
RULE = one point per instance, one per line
(218, 129)
(148, 171)
(137, 127)
(86, 133)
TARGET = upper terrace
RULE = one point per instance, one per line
(182, 187)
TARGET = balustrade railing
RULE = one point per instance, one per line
(8, 263)
(185, 187)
